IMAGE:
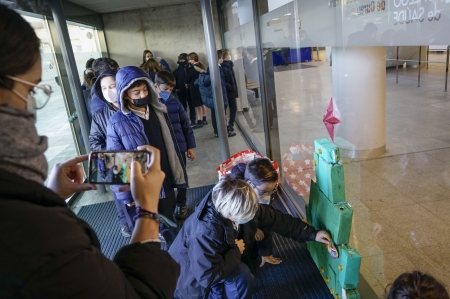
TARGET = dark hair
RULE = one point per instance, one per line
(138, 83)
(417, 285)
(194, 56)
(89, 78)
(182, 56)
(19, 48)
(102, 64)
(219, 54)
(144, 56)
(260, 171)
(153, 65)
(225, 53)
(164, 77)
(89, 63)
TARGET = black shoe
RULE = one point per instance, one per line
(230, 128)
(204, 122)
(216, 135)
(126, 232)
(181, 212)
(231, 134)
(198, 125)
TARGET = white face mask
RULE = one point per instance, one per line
(110, 95)
(265, 199)
(31, 103)
(147, 58)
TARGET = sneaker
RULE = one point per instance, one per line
(231, 134)
(126, 232)
(204, 122)
(230, 128)
(181, 212)
(216, 135)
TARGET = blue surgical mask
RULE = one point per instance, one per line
(164, 95)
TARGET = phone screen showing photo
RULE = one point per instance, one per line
(114, 168)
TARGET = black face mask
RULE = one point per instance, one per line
(140, 102)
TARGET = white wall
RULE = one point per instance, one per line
(166, 31)
(274, 4)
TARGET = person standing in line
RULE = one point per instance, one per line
(232, 90)
(192, 74)
(152, 66)
(50, 252)
(143, 120)
(204, 84)
(182, 92)
(145, 57)
(164, 84)
(99, 66)
(105, 90)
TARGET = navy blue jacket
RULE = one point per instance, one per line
(206, 251)
(165, 66)
(125, 131)
(230, 79)
(96, 102)
(97, 136)
(204, 84)
(180, 124)
(180, 77)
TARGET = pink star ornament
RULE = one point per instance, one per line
(332, 118)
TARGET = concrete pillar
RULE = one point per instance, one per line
(359, 88)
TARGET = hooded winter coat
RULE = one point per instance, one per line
(204, 85)
(125, 131)
(97, 136)
(205, 246)
(230, 79)
(180, 124)
(192, 74)
(180, 77)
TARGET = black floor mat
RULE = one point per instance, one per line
(296, 277)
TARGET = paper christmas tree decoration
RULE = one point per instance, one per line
(328, 210)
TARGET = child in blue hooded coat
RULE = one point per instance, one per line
(164, 84)
(143, 120)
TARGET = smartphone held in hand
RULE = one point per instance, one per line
(114, 167)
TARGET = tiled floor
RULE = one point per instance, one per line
(401, 200)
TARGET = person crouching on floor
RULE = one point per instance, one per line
(216, 242)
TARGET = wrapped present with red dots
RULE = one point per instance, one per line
(241, 157)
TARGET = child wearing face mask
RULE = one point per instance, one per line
(215, 244)
(263, 178)
(143, 120)
(164, 84)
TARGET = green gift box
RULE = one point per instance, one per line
(330, 178)
(327, 150)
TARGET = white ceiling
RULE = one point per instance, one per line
(106, 6)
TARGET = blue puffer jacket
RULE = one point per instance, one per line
(204, 84)
(205, 248)
(97, 136)
(230, 79)
(126, 132)
(180, 124)
(96, 102)
(165, 66)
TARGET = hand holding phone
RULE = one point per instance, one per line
(145, 188)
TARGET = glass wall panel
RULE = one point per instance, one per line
(241, 42)
(52, 119)
(391, 124)
(85, 45)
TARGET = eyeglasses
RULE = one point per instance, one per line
(267, 193)
(41, 92)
